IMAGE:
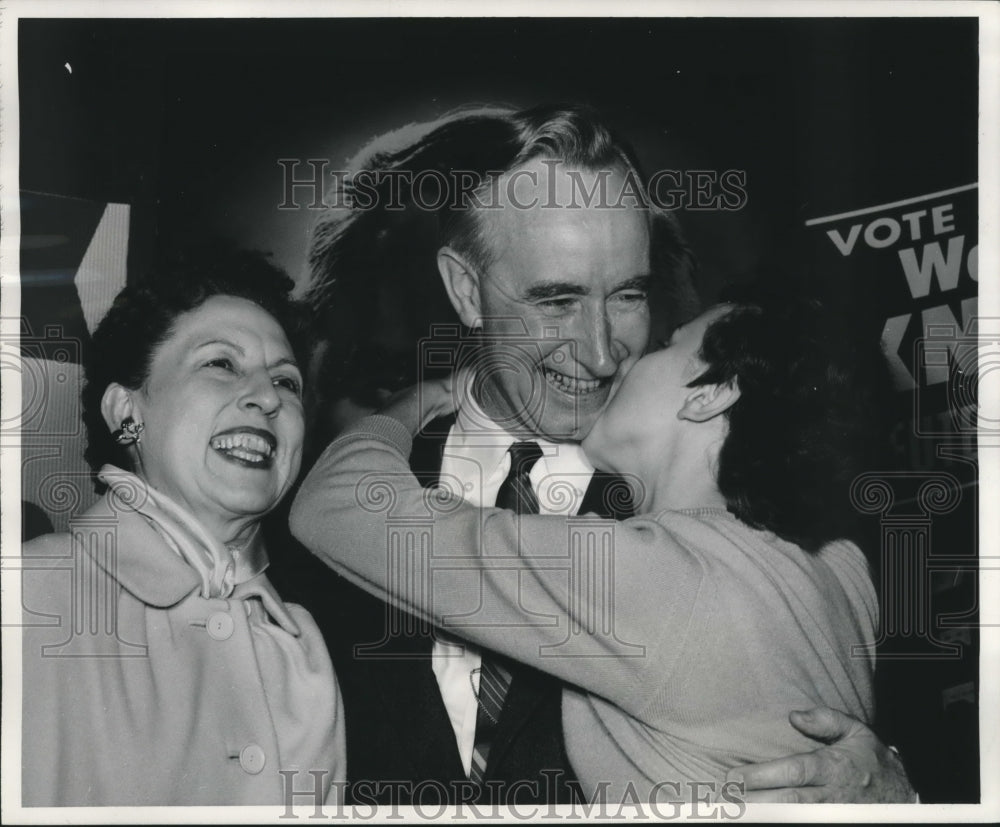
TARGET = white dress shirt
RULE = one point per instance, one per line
(474, 465)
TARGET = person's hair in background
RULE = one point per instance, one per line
(375, 290)
(814, 412)
(143, 315)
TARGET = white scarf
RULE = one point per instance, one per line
(213, 561)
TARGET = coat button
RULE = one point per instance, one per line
(252, 759)
(220, 626)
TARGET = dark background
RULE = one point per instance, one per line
(186, 120)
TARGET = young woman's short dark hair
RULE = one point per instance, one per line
(143, 315)
(813, 414)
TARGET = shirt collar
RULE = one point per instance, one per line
(476, 437)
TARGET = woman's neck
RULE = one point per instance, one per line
(233, 533)
(228, 529)
(244, 541)
(681, 479)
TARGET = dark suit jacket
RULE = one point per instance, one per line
(400, 742)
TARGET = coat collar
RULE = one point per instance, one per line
(157, 551)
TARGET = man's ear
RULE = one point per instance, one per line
(462, 283)
(116, 404)
(708, 401)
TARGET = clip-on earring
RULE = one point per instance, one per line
(129, 432)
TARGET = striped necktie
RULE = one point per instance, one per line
(516, 494)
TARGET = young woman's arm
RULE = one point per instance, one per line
(586, 599)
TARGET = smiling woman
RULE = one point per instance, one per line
(222, 409)
(193, 408)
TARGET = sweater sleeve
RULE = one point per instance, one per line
(589, 600)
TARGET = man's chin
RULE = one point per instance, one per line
(568, 429)
(588, 446)
(584, 430)
(573, 421)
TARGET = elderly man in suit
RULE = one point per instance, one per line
(557, 270)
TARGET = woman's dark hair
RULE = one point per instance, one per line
(814, 412)
(144, 314)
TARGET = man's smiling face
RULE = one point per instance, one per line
(577, 277)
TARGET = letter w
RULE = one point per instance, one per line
(918, 274)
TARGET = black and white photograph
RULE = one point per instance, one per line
(464, 412)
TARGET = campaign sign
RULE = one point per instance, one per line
(915, 261)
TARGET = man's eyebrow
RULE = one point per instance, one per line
(551, 289)
(634, 283)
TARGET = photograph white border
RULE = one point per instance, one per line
(989, 306)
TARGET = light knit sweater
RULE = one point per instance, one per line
(685, 637)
